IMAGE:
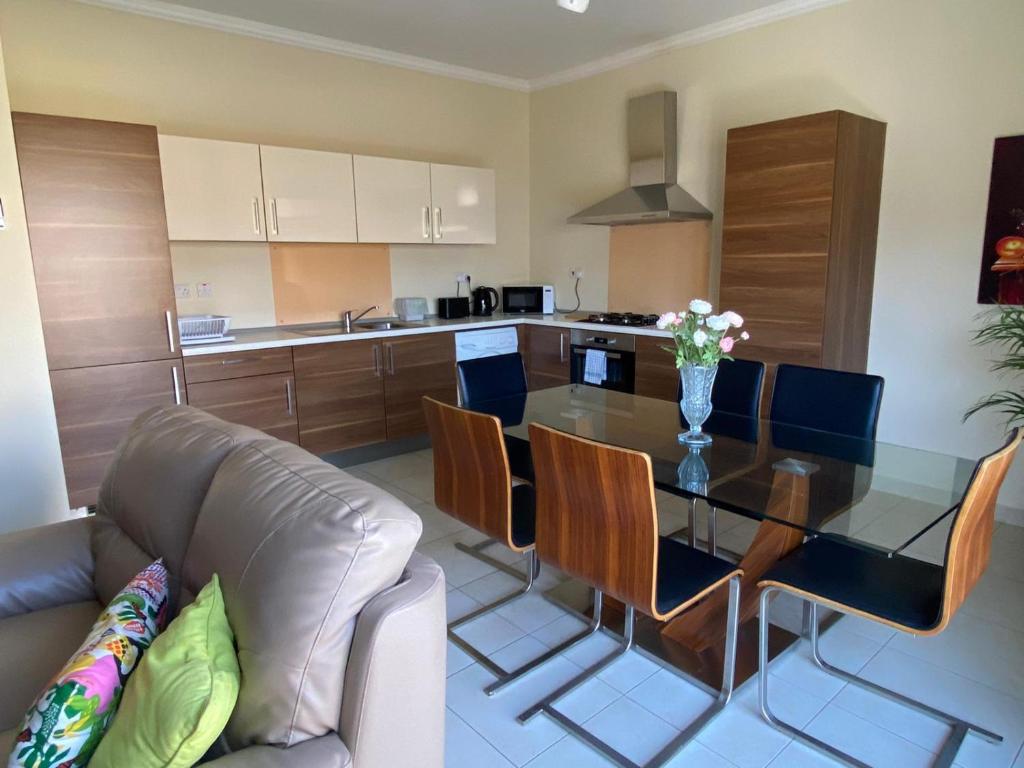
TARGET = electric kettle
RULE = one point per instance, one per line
(485, 301)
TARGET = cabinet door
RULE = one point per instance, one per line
(95, 407)
(392, 200)
(418, 365)
(549, 357)
(95, 211)
(340, 392)
(309, 196)
(213, 189)
(464, 204)
(264, 402)
(656, 373)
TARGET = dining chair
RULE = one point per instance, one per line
(901, 592)
(597, 522)
(499, 377)
(839, 402)
(735, 409)
(473, 484)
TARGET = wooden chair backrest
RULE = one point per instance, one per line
(472, 482)
(596, 516)
(970, 539)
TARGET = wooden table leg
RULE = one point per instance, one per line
(703, 626)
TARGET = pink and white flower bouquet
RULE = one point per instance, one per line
(702, 338)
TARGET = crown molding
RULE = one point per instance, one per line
(167, 11)
(767, 15)
(170, 12)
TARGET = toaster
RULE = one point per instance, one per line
(452, 307)
(411, 308)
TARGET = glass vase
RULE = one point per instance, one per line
(697, 382)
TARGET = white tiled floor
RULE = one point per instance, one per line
(975, 670)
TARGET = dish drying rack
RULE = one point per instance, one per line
(203, 329)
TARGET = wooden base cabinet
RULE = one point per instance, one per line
(548, 353)
(656, 372)
(417, 366)
(95, 406)
(266, 403)
(339, 390)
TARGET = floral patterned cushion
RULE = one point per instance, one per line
(67, 721)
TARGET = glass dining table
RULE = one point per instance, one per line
(792, 482)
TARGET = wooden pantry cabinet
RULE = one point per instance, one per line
(255, 388)
(95, 212)
(798, 238)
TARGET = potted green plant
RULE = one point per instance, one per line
(1004, 330)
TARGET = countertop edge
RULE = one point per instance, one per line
(431, 325)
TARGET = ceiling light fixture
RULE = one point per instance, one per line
(576, 6)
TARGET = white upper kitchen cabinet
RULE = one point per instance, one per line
(463, 204)
(392, 200)
(212, 189)
(309, 196)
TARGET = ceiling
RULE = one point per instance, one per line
(523, 41)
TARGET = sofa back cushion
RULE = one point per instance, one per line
(153, 490)
(300, 547)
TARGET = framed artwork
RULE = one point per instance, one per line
(1002, 255)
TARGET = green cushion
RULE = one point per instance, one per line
(180, 698)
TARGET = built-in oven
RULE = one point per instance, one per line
(616, 371)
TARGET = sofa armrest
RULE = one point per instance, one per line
(45, 567)
(392, 709)
(323, 752)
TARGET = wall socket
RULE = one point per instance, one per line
(204, 290)
(182, 291)
(577, 274)
(461, 277)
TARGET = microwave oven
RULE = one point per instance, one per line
(528, 299)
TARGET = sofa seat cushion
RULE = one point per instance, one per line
(35, 647)
(300, 547)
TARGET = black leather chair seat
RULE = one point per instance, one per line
(684, 572)
(524, 515)
(899, 589)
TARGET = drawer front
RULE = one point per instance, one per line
(266, 403)
(237, 365)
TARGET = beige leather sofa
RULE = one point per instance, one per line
(340, 627)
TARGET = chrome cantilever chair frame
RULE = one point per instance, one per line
(547, 705)
(950, 747)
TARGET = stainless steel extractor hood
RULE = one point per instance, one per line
(653, 194)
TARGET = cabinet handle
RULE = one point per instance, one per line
(561, 347)
(256, 215)
(170, 330)
(231, 362)
(391, 359)
(3, 216)
(376, 360)
(289, 398)
(426, 223)
(177, 386)
(273, 214)
(438, 234)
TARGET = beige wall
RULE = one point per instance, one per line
(31, 475)
(945, 77)
(239, 274)
(74, 59)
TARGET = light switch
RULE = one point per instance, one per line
(182, 291)
(204, 290)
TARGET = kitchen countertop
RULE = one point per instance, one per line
(247, 339)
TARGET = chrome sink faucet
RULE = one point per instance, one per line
(347, 320)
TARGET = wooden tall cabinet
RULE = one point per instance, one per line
(798, 237)
(95, 211)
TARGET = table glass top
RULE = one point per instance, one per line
(867, 493)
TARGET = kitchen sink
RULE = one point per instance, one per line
(337, 329)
